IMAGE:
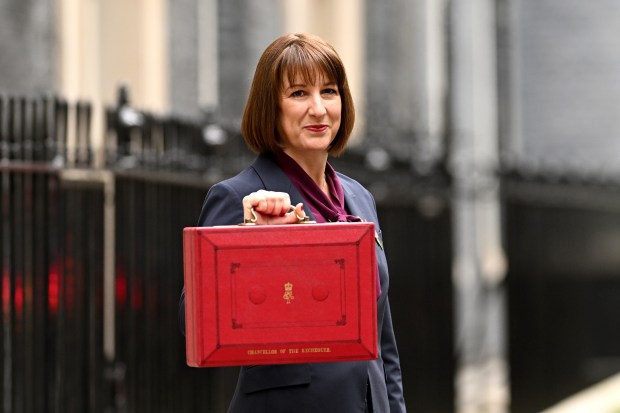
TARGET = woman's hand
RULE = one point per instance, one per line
(272, 208)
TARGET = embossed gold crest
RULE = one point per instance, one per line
(288, 293)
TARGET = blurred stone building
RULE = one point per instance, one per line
(556, 73)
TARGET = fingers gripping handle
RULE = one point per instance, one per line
(305, 219)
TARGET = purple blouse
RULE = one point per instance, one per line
(324, 208)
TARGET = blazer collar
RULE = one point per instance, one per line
(351, 205)
(274, 179)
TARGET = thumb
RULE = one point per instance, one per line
(296, 215)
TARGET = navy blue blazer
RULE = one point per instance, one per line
(314, 387)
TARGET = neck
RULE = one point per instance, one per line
(313, 165)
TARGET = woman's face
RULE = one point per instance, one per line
(309, 115)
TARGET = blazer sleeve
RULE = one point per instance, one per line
(391, 364)
(222, 206)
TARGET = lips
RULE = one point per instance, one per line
(317, 128)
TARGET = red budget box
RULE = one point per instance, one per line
(280, 294)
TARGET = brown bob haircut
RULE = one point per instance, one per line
(293, 55)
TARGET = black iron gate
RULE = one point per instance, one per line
(562, 240)
(50, 266)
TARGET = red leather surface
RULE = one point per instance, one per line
(280, 294)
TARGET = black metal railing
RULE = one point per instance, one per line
(561, 235)
(50, 261)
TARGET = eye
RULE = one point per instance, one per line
(297, 93)
(330, 91)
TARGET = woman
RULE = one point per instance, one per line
(299, 112)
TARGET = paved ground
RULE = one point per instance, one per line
(603, 397)
(484, 388)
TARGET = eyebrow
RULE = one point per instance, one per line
(296, 85)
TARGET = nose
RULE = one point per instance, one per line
(317, 106)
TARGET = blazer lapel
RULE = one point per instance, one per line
(274, 179)
(354, 208)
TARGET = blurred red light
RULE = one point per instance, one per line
(18, 294)
(121, 286)
(53, 288)
(6, 292)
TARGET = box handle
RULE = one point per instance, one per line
(300, 220)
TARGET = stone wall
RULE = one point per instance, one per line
(27, 47)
